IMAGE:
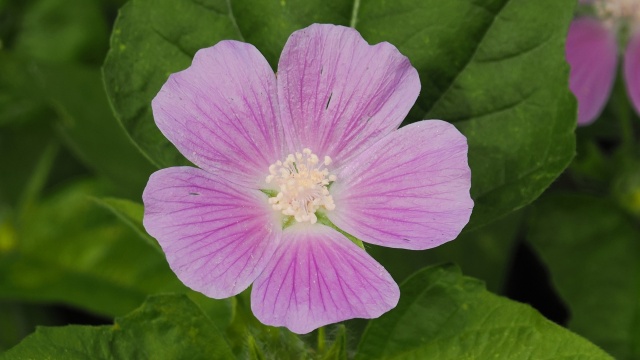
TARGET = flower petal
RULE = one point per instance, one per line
(217, 236)
(409, 190)
(338, 94)
(318, 277)
(632, 70)
(591, 51)
(222, 112)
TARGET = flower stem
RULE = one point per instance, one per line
(626, 127)
(623, 113)
(354, 13)
(322, 340)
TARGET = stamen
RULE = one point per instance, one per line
(302, 181)
(615, 11)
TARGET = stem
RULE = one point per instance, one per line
(322, 340)
(354, 14)
(623, 113)
(626, 127)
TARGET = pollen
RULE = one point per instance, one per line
(303, 182)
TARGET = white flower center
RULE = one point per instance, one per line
(303, 183)
(618, 10)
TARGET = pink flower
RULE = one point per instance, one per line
(284, 158)
(592, 52)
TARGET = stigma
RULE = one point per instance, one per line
(303, 182)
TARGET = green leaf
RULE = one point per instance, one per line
(67, 249)
(131, 213)
(444, 315)
(480, 64)
(479, 60)
(269, 33)
(152, 39)
(592, 250)
(165, 327)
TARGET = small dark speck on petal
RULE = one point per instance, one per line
(328, 101)
(194, 194)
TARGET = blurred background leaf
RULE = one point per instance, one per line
(67, 249)
(20, 320)
(62, 30)
(484, 253)
(592, 249)
(131, 213)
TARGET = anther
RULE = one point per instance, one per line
(302, 181)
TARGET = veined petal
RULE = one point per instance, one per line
(632, 70)
(318, 277)
(338, 94)
(591, 51)
(409, 190)
(217, 236)
(222, 112)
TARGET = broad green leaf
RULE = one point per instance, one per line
(67, 249)
(496, 69)
(479, 60)
(165, 327)
(483, 253)
(131, 213)
(445, 315)
(152, 39)
(592, 250)
(269, 33)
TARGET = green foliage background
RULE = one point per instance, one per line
(78, 142)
